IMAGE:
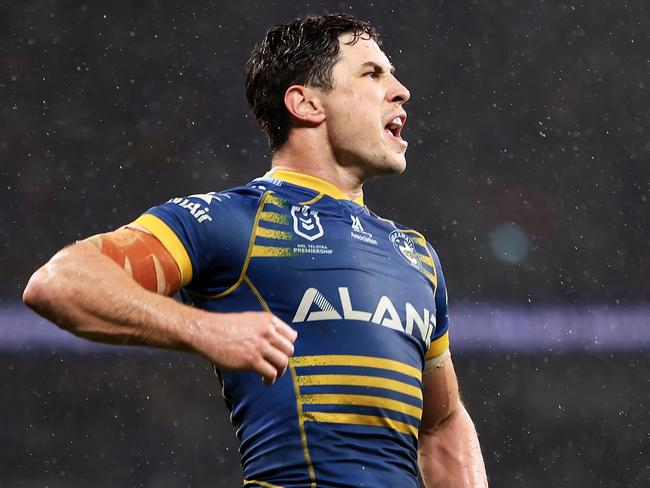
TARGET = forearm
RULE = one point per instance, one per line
(450, 455)
(84, 292)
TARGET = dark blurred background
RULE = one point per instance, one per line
(529, 171)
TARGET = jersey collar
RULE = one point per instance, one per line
(313, 183)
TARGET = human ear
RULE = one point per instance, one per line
(304, 104)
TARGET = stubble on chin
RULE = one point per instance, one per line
(389, 162)
(379, 163)
(369, 160)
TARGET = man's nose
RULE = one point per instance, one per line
(398, 92)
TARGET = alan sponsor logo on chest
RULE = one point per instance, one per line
(314, 306)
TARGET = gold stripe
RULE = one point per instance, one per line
(274, 234)
(358, 419)
(172, 243)
(440, 345)
(277, 201)
(270, 251)
(313, 183)
(257, 294)
(360, 380)
(364, 361)
(418, 238)
(301, 427)
(313, 200)
(430, 277)
(423, 243)
(244, 268)
(274, 217)
(364, 401)
(264, 484)
(426, 260)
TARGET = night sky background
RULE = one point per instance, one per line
(528, 158)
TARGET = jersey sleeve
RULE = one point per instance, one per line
(439, 347)
(207, 235)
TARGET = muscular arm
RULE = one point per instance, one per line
(449, 455)
(97, 289)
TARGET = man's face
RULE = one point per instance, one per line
(364, 112)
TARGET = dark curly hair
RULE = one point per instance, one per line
(302, 52)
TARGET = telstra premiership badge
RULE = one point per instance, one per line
(306, 223)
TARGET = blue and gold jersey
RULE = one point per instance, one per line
(368, 299)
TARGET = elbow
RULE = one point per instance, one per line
(57, 290)
(38, 294)
(51, 286)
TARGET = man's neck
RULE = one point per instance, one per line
(319, 164)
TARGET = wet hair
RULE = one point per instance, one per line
(302, 52)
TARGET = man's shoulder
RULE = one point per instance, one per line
(409, 237)
(234, 195)
(231, 199)
(401, 228)
(209, 212)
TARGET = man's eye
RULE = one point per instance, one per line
(372, 74)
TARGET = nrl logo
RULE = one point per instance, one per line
(306, 223)
(404, 245)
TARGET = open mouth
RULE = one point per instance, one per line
(394, 128)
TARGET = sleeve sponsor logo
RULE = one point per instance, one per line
(206, 197)
(198, 210)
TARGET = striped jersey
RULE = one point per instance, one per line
(368, 299)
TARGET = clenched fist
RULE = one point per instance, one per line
(249, 341)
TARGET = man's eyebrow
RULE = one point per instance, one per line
(378, 67)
